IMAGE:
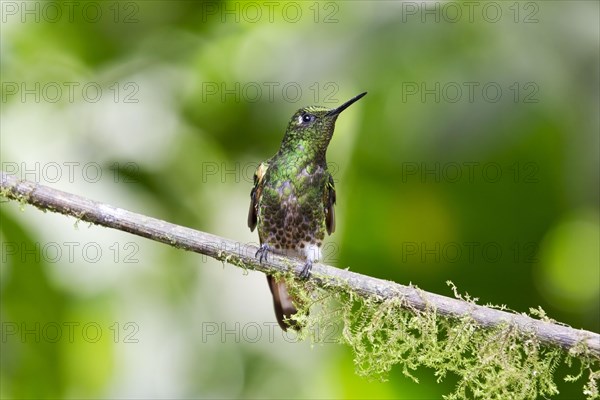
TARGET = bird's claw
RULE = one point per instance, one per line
(305, 273)
(263, 252)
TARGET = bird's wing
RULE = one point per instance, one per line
(255, 195)
(329, 202)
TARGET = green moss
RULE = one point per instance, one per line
(501, 362)
(11, 194)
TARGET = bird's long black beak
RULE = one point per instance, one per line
(347, 104)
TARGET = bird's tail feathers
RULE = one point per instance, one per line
(284, 305)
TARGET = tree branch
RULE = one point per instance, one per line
(227, 250)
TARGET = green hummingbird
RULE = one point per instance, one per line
(293, 197)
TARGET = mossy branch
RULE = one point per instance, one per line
(243, 255)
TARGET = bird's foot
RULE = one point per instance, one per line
(262, 252)
(305, 274)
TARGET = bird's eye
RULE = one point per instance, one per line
(306, 118)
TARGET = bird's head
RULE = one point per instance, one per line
(313, 126)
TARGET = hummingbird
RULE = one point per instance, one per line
(292, 201)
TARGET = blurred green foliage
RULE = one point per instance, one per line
(474, 158)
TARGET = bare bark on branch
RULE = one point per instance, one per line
(243, 255)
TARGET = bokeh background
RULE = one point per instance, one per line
(473, 158)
